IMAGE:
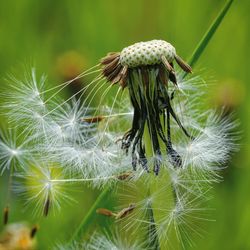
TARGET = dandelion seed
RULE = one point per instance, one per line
(119, 215)
(38, 188)
(24, 95)
(126, 211)
(105, 212)
(12, 153)
(185, 218)
(33, 231)
(66, 123)
(93, 119)
(6, 215)
(46, 207)
(125, 176)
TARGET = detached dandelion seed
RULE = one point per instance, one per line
(39, 187)
(146, 68)
(6, 215)
(12, 154)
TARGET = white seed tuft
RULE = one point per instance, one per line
(114, 242)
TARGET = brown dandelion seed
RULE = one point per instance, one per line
(47, 205)
(94, 119)
(183, 64)
(125, 211)
(105, 212)
(124, 176)
(6, 215)
(121, 214)
(33, 231)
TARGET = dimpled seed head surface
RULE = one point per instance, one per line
(147, 53)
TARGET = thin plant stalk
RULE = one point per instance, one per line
(88, 218)
(163, 199)
(208, 36)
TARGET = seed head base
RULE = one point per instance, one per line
(146, 68)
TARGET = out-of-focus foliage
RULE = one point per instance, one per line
(64, 37)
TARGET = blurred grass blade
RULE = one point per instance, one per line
(83, 227)
(208, 35)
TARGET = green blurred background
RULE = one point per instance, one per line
(63, 38)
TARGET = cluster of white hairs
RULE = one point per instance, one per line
(103, 241)
(51, 143)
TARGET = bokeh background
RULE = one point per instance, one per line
(63, 38)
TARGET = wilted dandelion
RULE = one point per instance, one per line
(72, 142)
(146, 69)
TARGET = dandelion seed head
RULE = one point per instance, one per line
(12, 153)
(147, 53)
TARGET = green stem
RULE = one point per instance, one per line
(208, 35)
(153, 240)
(83, 227)
(162, 199)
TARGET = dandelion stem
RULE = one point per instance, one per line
(83, 227)
(208, 35)
(153, 241)
(162, 196)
